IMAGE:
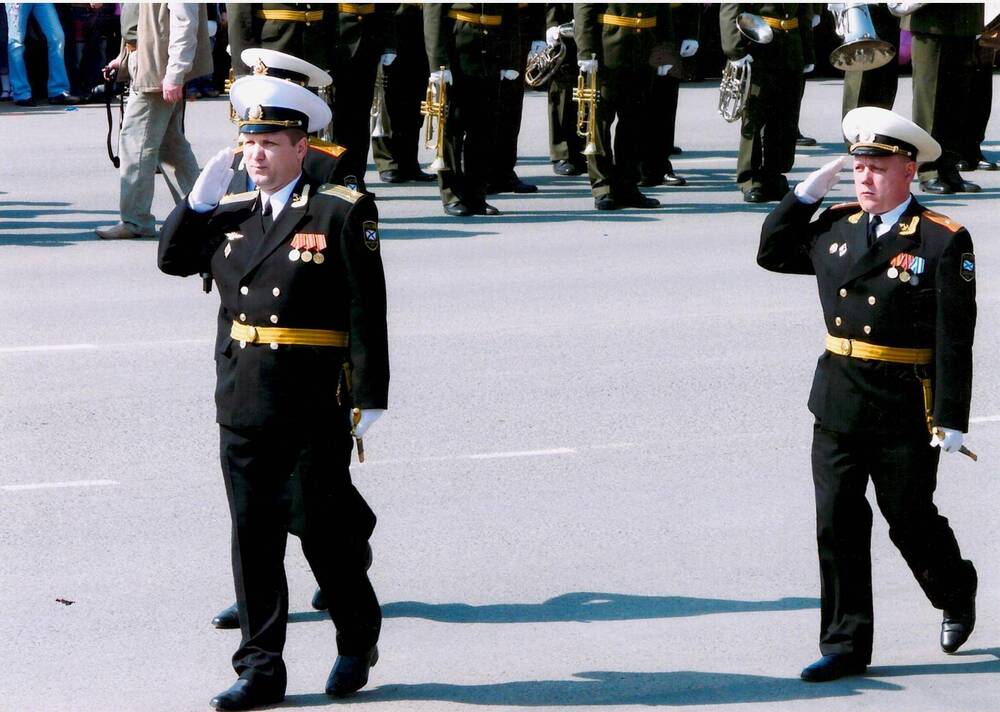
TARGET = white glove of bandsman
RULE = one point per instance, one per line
(689, 48)
(587, 65)
(508, 74)
(552, 36)
(437, 74)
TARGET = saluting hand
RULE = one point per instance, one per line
(818, 183)
(213, 182)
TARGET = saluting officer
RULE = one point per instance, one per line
(301, 341)
(304, 30)
(476, 45)
(771, 117)
(892, 390)
(565, 145)
(617, 40)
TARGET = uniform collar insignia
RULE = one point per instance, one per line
(856, 217)
(300, 201)
(909, 228)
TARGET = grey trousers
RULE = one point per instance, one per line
(151, 135)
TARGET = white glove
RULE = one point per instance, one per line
(587, 65)
(689, 48)
(816, 19)
(508, 74)
(388, 58)
(368, 416)
(808, 68)
(742, 61)
(537, 46)
(552, 36)
(436, 76)
(662, 70)
(818, 183)
(902, 9)
(947, 439)
(213, 182)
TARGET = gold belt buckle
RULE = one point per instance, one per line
(252, 335)
(845, 347)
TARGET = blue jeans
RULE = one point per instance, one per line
(17, 26)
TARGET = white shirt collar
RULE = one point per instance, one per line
(892, 217)
(279, 198)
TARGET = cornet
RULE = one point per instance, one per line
(586, 95)
(435, 108)
(381, 128)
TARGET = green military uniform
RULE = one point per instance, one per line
(622, 37)
(944, 37)
(304, 30)
(875, 87)
(475, 41)
(771, 116)
(364, 33)
(405, 86)
(980, 106)
(565, 145)
(503, 179)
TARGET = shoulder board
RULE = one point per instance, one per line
(943, 220)
(326, 147)
(845, 206)
(340, 191)
(238, 197)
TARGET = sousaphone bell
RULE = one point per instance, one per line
(862, 49)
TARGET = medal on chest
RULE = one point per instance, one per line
(906, 268)
(308, 247)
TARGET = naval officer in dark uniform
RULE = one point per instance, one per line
(301, 355)
(897, 283)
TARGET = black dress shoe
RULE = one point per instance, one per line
(957, 625)
(246, 695)
(64, 98)
(484, 209)
(674, 179)
(937, 185)
(319, 600)
(985, 165)
(227, 618)
(650, 181)
(350, 673)
(514, 185)
(606, 202)
(805, 141)
(420, 177)
(834, 667)
(26, 102)
(754, 195)
(568, 168)
(638, 200)
(519, 186)
(457, 209)
(392, 176)
(964, 186)
(964, 165)
(676, 150)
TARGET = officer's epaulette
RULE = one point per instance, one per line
(943, 220)
(326, 147)
(238, 149)
(340, 191)
(238, 197)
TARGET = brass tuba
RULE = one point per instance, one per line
(380, 125)
(735, 87)
(542, 65)
(862, 49)
(586, 95)
(435, 108)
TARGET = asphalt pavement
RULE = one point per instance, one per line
(592, 484)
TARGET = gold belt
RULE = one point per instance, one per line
(473, 18)
(778, 24)
(297, 337)
(636, 23)
(352, 9)
(892, 354)
(291, 15)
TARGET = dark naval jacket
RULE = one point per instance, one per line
(261, 284)
(914, 288)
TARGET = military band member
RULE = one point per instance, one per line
(476, 45)
(771, 117)
(617, 40)
(980, 107)
(565, 145)
(304, 30)
(897, 286)
(301, 341)
(875, 87)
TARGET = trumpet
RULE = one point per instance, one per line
(379, 113)
(586, 95)
(435, 108)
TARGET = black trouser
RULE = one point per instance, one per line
(903, 469)
(406, 87)
(661, 122)
(336, 524)
(469, 138)
(564, 143)
(352, 103)
(623, 95)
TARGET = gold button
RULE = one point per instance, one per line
(274, 318)
(275, 291)
(244, 290)
(838, 321)
(843, 292)
(871, 300)
(868, 329)
(243, 344)
(845, 347)
(243, 317)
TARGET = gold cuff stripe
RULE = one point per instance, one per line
(636, 23)
(474, 19)
(779, 24)
(352, 9)
(297, 337)
(291, 15)
(873, 352)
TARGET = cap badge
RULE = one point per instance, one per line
(256, 112)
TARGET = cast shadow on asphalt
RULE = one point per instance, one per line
(584, 606)
(25, 217)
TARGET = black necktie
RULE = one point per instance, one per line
(266, 220)
(873, 224)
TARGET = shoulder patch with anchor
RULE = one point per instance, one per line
(942, 220)
(340, 191)
(238, 197)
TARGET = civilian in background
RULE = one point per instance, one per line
(18, 14)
